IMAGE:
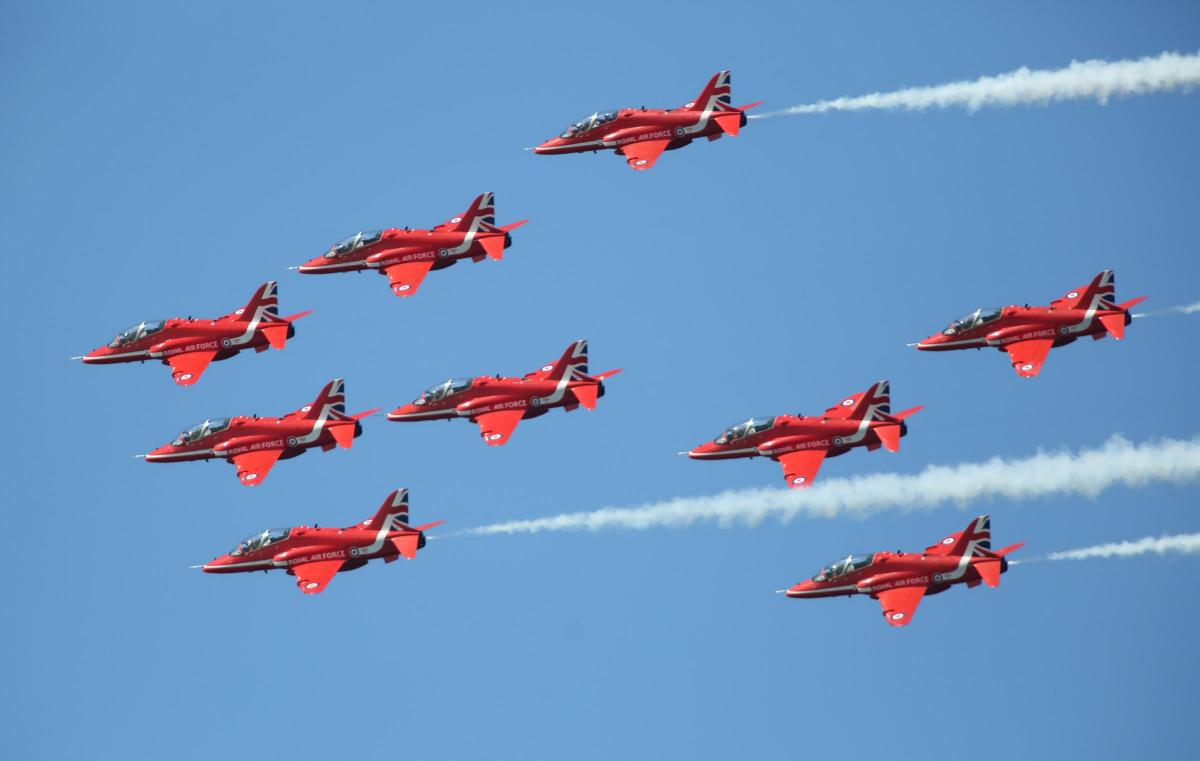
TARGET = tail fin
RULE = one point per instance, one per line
(572, 365)
(481, 217)
(330, 404)
(873, 404)
(974, 541)
(263, 305)
(392, 514)
(1098, 294)
(717, 95)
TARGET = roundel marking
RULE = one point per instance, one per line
(799, 480)
(456, 220)
(226, 342)
(547, 368)
(311, 585)
(494, 436)
(948, 540)
(185, 376)
(897, 616)
(292, 441)
(847, 402)
(1073, 295)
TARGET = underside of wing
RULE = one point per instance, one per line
(1028, 356)
(313, 577)
(643, 155)
(800, 468)
(900, 604)
(406, 278)
(496, 427)
(253, 467)
(187, 368)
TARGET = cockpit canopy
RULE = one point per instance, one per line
(843, 566)
(356, 241)
(749, 428)
(589, 123)
(443, 390)
(256, 542)
(136, 333)
(972, 320)
(200, 430)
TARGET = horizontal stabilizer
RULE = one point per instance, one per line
(494, 246)
(1114, 324)
(890, 436)
(343, 434)
(989, 571)
(729, 122)
(587, 393)
(406, 545)
(909, 412)
(276, 334)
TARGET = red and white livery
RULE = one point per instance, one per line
(314, 555)
(641, 135)
(189, 345)
(254, 444)
(900, 580)
(800, 443)
(498, 404)
(1029, 333)
(405, 256)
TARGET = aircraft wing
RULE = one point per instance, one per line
(642, 155)
(496, 427)
(187, 368)
(312, 577)
(1028, 356)
(253, 467)
(899, 604)
(800, 468)
(406, 278)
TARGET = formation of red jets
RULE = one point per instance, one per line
(800, 443)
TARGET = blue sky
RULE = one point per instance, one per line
(165, 159)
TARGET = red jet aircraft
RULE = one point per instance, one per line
(1028, 333)
(189, 345)
(900, 579)
(641, 135)
(313, 555)
(498, 404)
(406, 256)
(801, 443)
(254, 444)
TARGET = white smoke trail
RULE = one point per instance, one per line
(1182, 309)
(1085, 473)
(1096, 80)
(1164, 545)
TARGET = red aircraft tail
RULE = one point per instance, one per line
(974, 541)
(572, 365)
(481, 217)
(392, 514)
(263, 305)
